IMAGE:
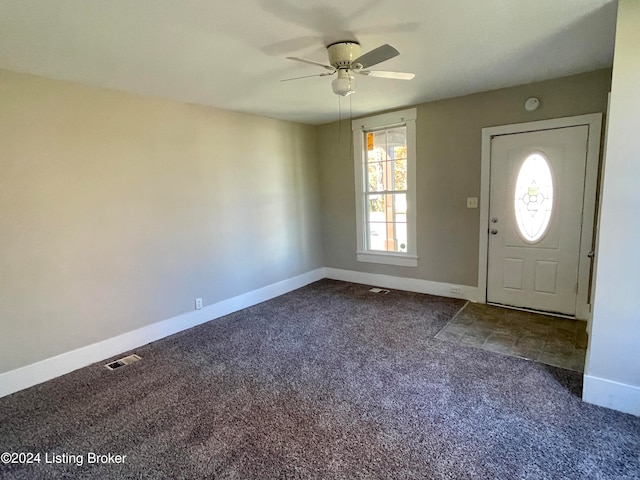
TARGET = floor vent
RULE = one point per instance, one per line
(379, 290)
(123, 361)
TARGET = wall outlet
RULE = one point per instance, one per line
(198, 303)
(455, 289)
(472, 202)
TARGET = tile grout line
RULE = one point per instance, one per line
(512, 352)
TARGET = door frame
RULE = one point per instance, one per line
(594, 122)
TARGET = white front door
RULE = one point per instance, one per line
(535, 218)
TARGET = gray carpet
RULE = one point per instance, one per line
(329, 381)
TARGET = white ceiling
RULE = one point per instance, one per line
(231, 54)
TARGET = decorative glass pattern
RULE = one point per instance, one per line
(386, 187)
(534, 198)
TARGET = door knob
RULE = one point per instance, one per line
(494, 219)
(494, 231)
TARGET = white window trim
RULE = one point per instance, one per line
(386, 120)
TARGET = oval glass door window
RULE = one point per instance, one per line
(534, 198)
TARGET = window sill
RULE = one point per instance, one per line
(400, 259)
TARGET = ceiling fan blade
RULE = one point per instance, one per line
(307, 76)
(375, 56)
(311, 62)
(383, 74)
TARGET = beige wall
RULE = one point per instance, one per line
(117, 211)
(615, 332)
(448, 170)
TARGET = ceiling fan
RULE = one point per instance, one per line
(345, 60)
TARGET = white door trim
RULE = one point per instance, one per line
(594, 122)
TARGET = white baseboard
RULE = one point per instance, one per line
(599, 391)
(607, 393)
(464, 292)
(27, 376)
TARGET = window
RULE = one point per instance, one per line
(533, 199)
(384, 163)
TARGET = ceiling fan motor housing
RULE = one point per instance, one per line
(341, 54)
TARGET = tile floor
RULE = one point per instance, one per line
(545, 339)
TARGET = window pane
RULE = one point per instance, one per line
(399, 207)
(392, 207)
(390, 144)
(399, 152)
(379, 151)
(376, 155)
(387, 176)
(375, 182)
(386, 226)
(533, 198)
(397, 136)
(400, 174)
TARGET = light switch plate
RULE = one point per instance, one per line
(472, 202)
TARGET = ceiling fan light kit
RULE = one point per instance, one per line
(346, 60)
(345, 84)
